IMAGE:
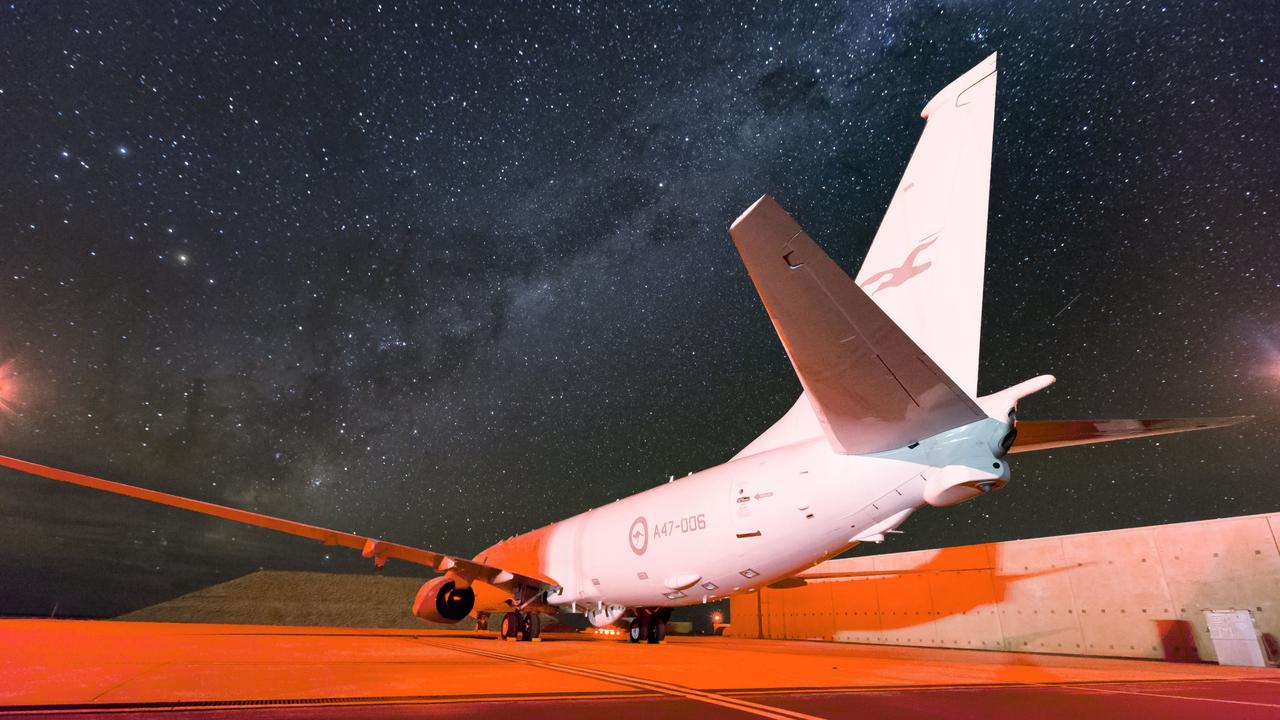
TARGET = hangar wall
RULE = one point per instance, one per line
(1138, 592)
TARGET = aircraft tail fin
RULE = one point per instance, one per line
(925, 265)
(1048, 434)
(869, 385)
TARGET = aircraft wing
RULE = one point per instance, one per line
(1046, 434)
(378, 550)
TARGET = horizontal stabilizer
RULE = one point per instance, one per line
(871, 387)
(1046, 434)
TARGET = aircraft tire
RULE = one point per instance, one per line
(530, 627)
(510, 626)
(657, 631)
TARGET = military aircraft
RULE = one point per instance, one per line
(889, 421)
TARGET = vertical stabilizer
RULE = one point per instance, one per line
(925, 266)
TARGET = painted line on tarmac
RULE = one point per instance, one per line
(1114, 691)
(975, 685)
(172, 706)
(635, 682)
(95, 708)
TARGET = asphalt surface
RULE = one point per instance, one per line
(147, 670)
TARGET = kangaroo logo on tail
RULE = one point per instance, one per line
(894, 277)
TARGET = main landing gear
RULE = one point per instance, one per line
(650, 626)
(525, 627)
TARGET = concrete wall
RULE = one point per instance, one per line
(1132, 593)
(273, 597)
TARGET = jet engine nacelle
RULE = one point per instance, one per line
(441, 601)
(954, 484)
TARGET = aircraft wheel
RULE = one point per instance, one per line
(639, 629)
(530, 627)
(510, 625)
(657, 631)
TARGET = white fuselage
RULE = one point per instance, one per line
(746, 523)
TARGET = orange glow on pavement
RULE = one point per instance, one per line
(89, 662)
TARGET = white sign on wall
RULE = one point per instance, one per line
(1235, 638)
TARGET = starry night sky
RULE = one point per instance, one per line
(447, 273)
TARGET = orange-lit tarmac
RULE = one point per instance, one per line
(74, 668)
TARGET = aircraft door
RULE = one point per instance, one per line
(746, 517)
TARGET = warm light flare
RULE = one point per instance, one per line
(8, 389)
(1268, 364)
(1272, 369)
